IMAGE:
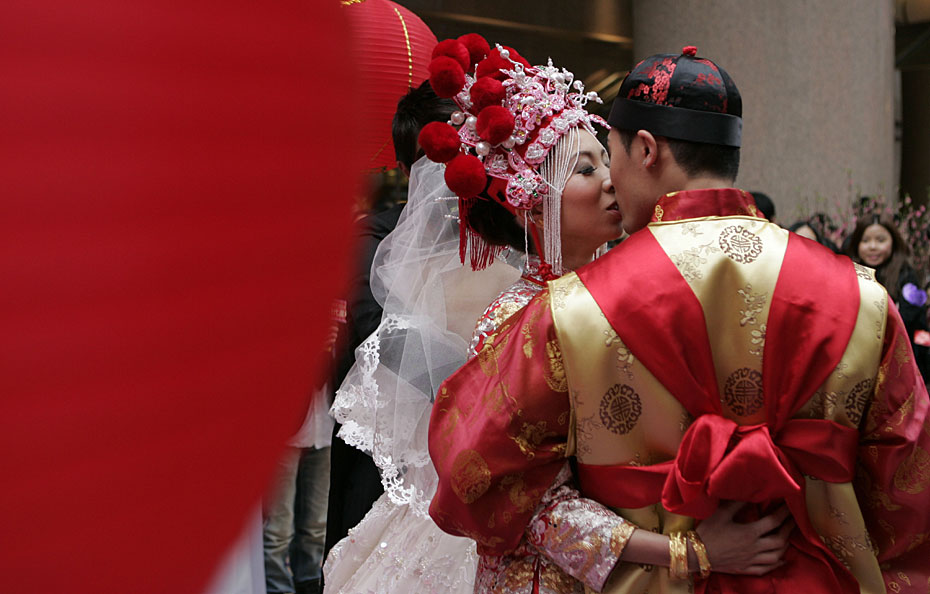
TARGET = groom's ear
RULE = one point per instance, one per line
(647, 148)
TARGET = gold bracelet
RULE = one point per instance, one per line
(701, 552)
(678, 551)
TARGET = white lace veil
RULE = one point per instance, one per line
(431, 303)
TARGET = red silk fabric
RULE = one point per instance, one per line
(807, 333)
(177, 183)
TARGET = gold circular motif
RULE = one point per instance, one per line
(743, 392)
(913, 476)
(740, 245)
(620, 409)
(856, 401)
(471, 476)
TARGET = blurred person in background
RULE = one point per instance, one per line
(765, 205)
(876, 242)
(810, 230)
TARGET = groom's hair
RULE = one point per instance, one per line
(697, 158)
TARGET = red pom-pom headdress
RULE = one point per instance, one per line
(511, 115)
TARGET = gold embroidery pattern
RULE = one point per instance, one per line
(659, 212)
(844, 547)
(840, 371)
(856, 401)
(888, 528)
(913, 476)
(823, 405)
(494, 400)
(516, 491)
(685, 421)
(740, 245)
(904, 412)
(758, 339)
(839, 516)
(743, 392)
(527, 332)
(470, 476)
(555, 375)
(918, 540)
(880, 498)
(504, 311)
(560, 290)
(490, 352)
(755, 303)
(691, 229)
(620, 536)
(585, 434)
(610, 334)
(864, 272)
(530, 437)
(878, 322)
(625, 360)
(620, 409)
(689, 262)
(900, 355)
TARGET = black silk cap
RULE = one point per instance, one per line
(682, 97)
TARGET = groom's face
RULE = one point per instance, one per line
(634, 196)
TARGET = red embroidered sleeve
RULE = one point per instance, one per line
(893, 483)
(498, 432)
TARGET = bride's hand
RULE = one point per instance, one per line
(754, 548)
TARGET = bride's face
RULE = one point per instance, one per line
(590, 216)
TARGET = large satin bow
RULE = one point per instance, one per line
(719, 459)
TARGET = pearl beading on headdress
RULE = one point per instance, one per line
(538, 97)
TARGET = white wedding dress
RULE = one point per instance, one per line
(431, 304)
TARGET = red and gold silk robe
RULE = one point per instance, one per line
(711, 356)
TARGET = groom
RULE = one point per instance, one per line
(694, 364)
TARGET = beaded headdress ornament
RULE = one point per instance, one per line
(511, 115)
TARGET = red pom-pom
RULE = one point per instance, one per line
(446, 76)
(492, 65)
(465, 176)
(486, 91)
(495, 123)
(477, 47)
(439, 141)
(454, 49)
(689, 50)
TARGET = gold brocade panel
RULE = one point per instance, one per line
(622, 415)
(731, 265)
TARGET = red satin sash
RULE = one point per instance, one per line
(720, 460)
(807, 333)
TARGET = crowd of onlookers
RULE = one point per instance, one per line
(895, 244)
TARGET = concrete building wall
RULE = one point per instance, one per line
(816, 79)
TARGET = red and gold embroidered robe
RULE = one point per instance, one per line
(706, 358)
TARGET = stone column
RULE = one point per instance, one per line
(915, 158)
(817, 85)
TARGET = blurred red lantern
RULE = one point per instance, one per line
(391, 49)
(174, 176)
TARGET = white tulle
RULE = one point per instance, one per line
(431, 304)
